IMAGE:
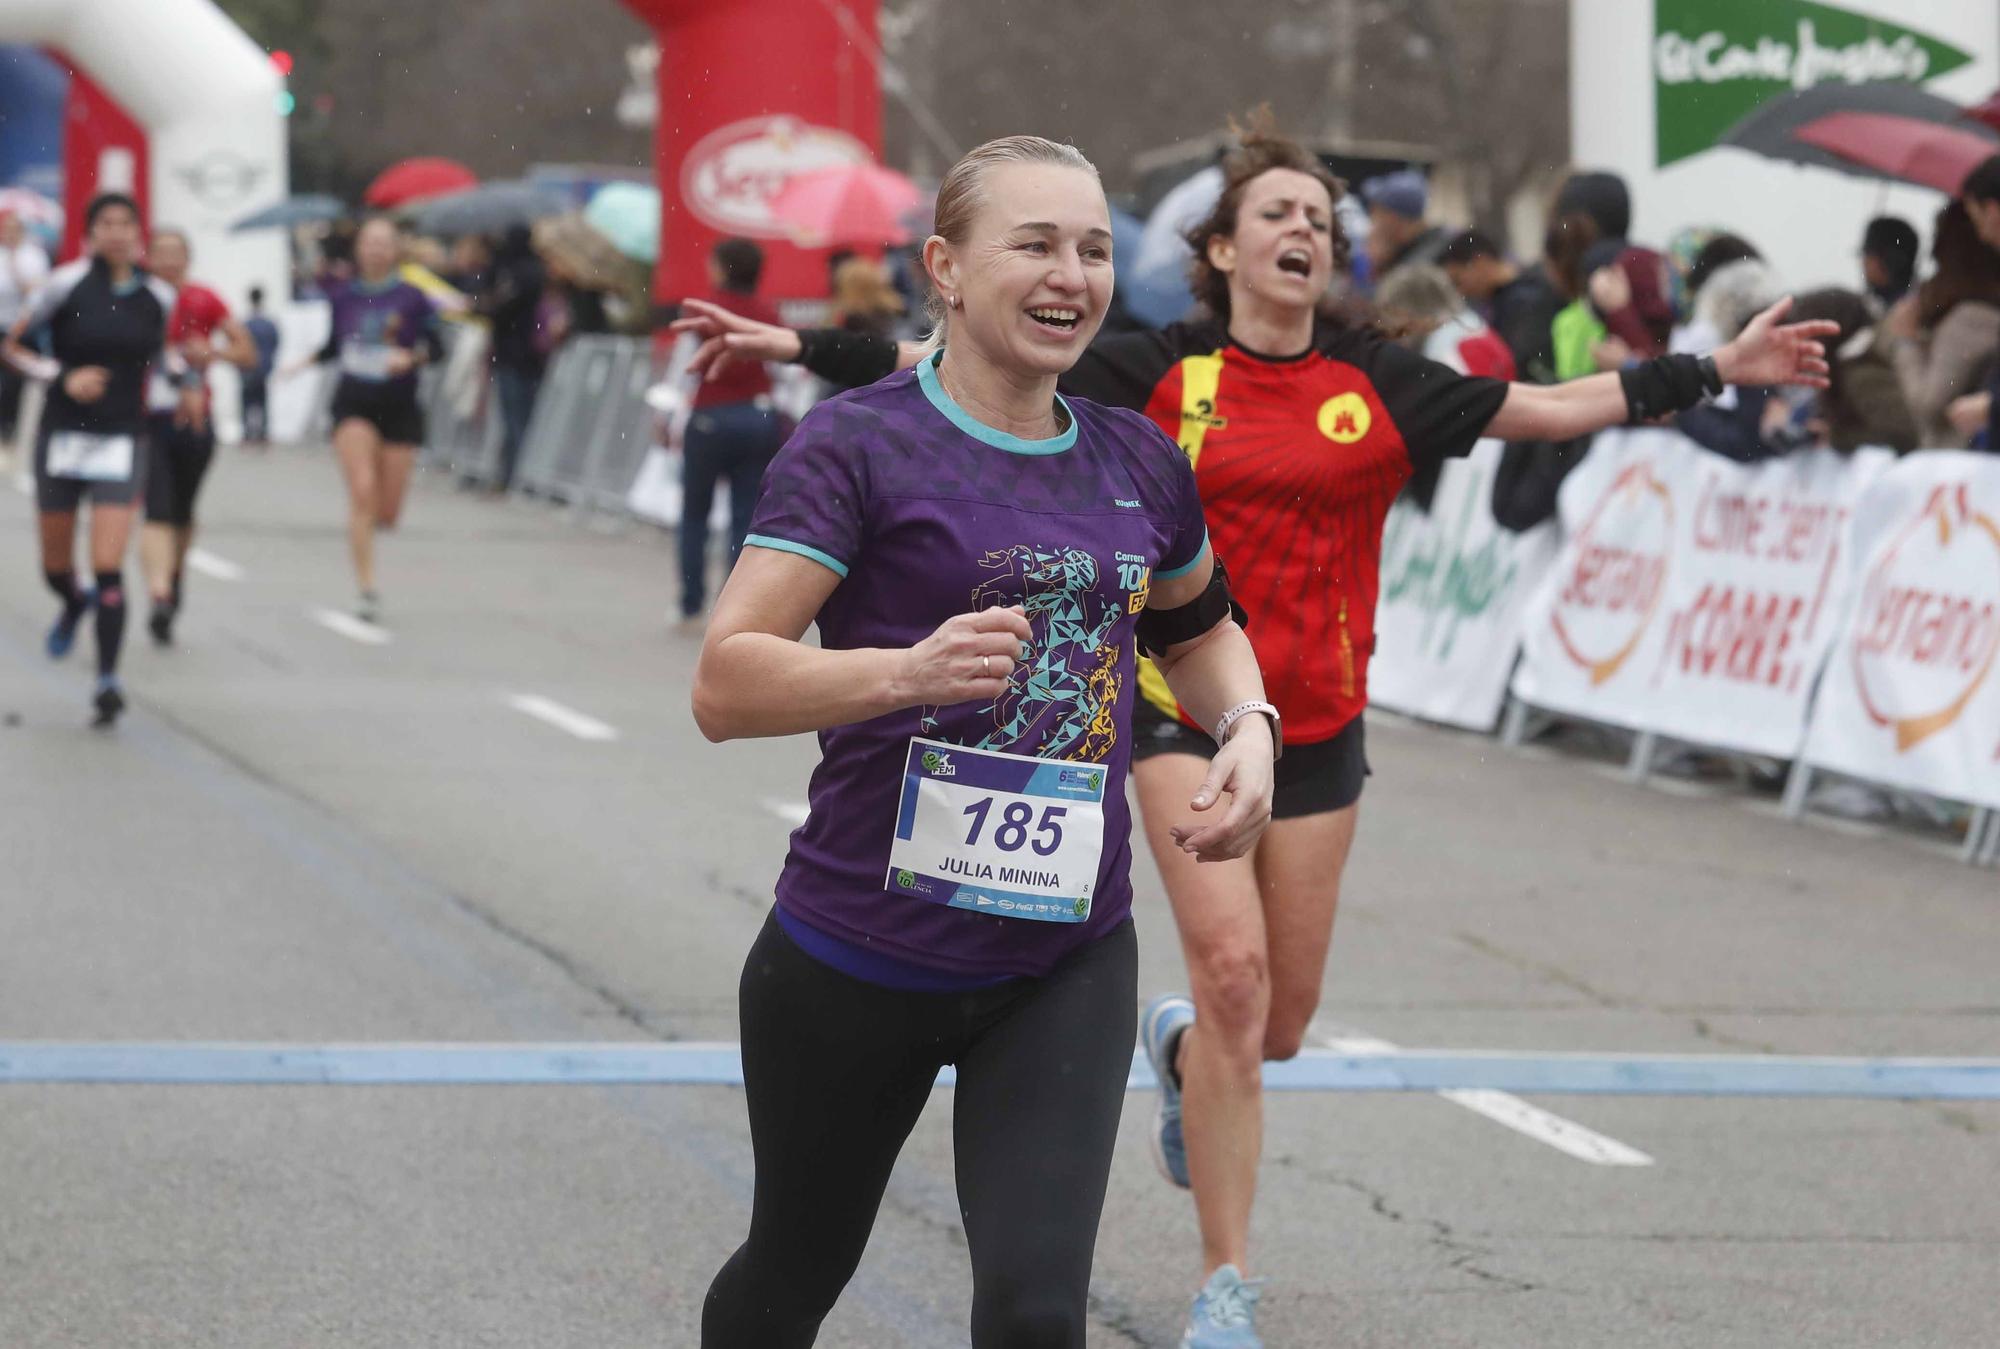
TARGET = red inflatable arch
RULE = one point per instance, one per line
(751, 92)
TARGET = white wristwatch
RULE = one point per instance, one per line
(1242, 710)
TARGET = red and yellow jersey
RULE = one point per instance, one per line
(1297, 460)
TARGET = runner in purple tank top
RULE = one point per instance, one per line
(981, 557)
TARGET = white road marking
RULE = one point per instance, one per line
(1564, 1135)
(563, 718)
(791, 812)
(208, 564)
(350, 627)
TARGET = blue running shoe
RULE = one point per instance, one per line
(1224, 1315)
(63, 635)
(1159, 1032)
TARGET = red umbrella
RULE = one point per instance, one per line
(1902, 148)
(421, 177)
(1987, 112)
(860, 204)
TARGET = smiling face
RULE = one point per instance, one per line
(1282, 250)
(1033, 275)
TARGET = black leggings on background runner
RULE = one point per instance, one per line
(836, 1071)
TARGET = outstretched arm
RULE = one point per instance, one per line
(1767, 352)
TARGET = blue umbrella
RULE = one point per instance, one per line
(307, 209)
(628, 214)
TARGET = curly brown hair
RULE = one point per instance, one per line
(1260, 148)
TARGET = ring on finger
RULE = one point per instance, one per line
(986, 666)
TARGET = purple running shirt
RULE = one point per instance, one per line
(370, 321)
(925, 513)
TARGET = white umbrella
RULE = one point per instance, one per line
(1163, 249)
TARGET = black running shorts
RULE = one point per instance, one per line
(1311, 779)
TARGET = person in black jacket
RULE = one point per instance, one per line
(511, 301)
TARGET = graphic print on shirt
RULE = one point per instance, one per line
(1062, 699)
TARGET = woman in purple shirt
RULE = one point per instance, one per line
(384, 329)
(979, 555)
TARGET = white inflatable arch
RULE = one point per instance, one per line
(207, 98)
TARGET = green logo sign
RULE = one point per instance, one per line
(1080, 908)
(1715, 60)
(907, 879)
(1096, 781)
(931, 761)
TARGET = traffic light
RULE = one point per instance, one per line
(281, 61)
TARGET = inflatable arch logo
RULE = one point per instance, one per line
(1614, 588)
(1929, 625)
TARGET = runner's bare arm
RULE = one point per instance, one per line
(240, 352)
(757, 678)
(1209, 675)
(727, 337)
(1767, 352)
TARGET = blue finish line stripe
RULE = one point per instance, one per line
(718, 1065)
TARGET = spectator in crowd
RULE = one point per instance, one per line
(864, 299)
(1697, 333)
(1591, 209)
(257, 378)
(1633, 298)
(1863, 402)
(1520, 303)
(1397, 234)
(1420, 301)
(1754, 423)
(24, 266)
(469, 264)
(732, 433)
(512, 302)
(1943, 337)
(1888, 261)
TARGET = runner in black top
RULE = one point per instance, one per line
(106, 322)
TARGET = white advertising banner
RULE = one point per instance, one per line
(1455, 586)
(1695, 597)
(1655, 84)
(1910, 697)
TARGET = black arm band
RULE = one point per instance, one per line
(848, 359)
(1661, 386)
(1159, 629)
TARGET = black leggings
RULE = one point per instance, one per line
(176, 461)
(836, 1072)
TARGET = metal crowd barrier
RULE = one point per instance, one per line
(586, 439)
(591, 426)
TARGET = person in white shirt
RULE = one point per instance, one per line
(23, 271)
(24, 266)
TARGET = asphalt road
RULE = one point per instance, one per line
(301, 837)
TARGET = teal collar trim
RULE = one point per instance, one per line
(980, 431)
(382, 287)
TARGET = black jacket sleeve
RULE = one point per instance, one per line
(846, 358)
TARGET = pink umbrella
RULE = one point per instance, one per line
(858, 204)
(1905, 149)
(31, 207)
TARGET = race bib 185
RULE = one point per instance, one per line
(999, 833)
